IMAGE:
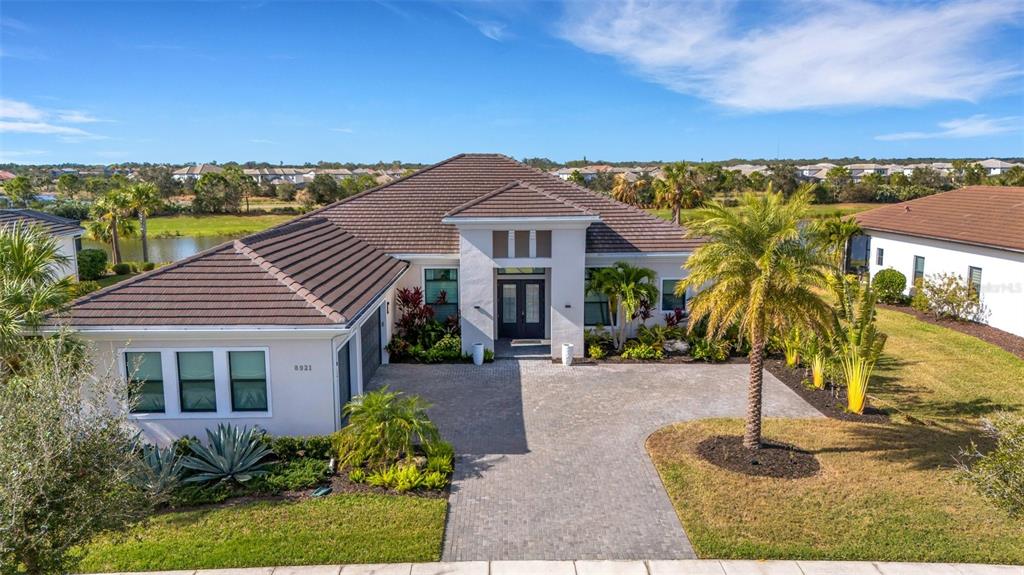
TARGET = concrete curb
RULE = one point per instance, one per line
(674, 567)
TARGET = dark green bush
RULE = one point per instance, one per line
(147, 266)
(292, 448)
(889, 285)
(122, 268)
(449, 348)
(92, 264)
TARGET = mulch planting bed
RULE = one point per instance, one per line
(1011, 343)
(831, 402)
(777, 460)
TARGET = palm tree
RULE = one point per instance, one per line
(758, 272)
(30, 282)
(630, 287)
(144, 199)
(109, 220)
(677, 190)
(624, 191)
(833, 235)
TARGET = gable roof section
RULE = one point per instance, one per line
(405, 216)
(991, 216)
(308, 273)
(518, 199)
(56, 225)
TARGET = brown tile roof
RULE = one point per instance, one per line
(405, 216)
(980, 215)
(307, 273)
(56, 225)
(518, 199)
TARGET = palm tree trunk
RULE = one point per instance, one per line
(145, 240)
(752, 433)
(115, 243)
(676, 214)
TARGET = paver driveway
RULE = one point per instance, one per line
(551, 460)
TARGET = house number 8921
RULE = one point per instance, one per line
(303, 367)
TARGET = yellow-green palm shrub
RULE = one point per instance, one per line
(857, 340)
(791, 343)
(817, 352)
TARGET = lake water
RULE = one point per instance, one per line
(161, 249)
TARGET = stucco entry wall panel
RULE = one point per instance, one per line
(476, 288)
(568, 255)
(302, 386)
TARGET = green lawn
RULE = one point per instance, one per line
(338, 529)
(885, 491)
(219, 225)
(817, 210)
(112, 279)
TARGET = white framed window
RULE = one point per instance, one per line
(669, 300)
(196, 383)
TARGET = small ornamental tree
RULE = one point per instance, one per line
(950, 296)
(889, 286)
(998, 474)
(67, 457)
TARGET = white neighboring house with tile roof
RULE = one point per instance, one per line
(67, 232)
(976, 233)
(281, 328)
(192, 173)
(994, 167)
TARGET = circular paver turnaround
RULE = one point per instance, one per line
(551, 460)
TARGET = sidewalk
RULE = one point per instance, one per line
(680, 567)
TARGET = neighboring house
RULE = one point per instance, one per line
(5, 175)
(194, 172)
(281, 328)
(815, 171)
(975, 232)
(995, 167)
(277, 175)
(67, 232)
(858, 171)
(748, 169)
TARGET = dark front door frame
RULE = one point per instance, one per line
(520, 328)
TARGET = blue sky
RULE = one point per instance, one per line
(345, 81)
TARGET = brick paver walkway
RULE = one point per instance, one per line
(552, 462)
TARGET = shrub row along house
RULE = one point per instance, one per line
(281, 328)
(976, 233)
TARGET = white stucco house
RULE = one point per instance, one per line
(280, 329)
(67, 233)
(975, 232)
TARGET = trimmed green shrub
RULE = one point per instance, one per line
(312, 446)
(448, 348)
(889, 286)
(148, 266)
(92, 263)
(638, 350)
(121, 268)
(298, 474)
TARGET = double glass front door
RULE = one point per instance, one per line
(521, 309)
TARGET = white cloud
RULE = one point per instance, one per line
(13, 109)
(807, 55)
(23, 118)
(492, 29)
(972, 127)
(76, 117)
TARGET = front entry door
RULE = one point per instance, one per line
(521, 309)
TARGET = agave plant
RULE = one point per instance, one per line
(160, 470)
(233, 453)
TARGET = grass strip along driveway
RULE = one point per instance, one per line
(345, 528)
(886, 491)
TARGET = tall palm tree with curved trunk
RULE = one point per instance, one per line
(110, 220)
(143, 199)
(30, 282)
(756, 271)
